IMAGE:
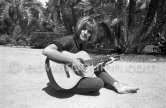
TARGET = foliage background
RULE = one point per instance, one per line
(126, 26)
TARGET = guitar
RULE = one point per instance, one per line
(64, 75)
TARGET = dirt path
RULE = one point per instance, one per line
(24, 84)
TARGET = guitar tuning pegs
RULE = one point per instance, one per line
(115, 58)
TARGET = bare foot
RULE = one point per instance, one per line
(124, 89)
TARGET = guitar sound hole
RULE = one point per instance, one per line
(81, 60)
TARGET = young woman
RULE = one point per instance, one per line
(85, 31)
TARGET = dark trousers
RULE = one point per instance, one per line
(86, 85)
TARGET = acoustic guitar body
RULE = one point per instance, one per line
(63, 74)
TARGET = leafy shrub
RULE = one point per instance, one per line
(161, 46)
(42, 39)
(4, 39)
(20, 39)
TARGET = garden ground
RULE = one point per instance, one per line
(24, 84)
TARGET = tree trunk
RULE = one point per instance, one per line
(109, 35)
(66, 17)
(123, 9)
(136, 39)
(131, 11)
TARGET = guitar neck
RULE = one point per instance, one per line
(96, 61)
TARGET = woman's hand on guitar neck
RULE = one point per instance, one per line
(78, 67)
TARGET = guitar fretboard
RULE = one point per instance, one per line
(95, 61)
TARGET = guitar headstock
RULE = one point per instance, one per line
(115, 57)
(106, 60)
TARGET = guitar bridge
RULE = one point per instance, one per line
(67, 71)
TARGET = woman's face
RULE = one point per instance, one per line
(85, 35)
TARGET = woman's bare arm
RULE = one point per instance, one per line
(52, 53)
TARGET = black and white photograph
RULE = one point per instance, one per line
(82, 53)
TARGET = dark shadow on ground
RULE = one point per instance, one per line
(96, 93)
(50, 90)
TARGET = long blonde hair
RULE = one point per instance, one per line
(84, 21)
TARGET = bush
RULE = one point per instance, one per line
(20, 39)
(42, 39)
(4, 39)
